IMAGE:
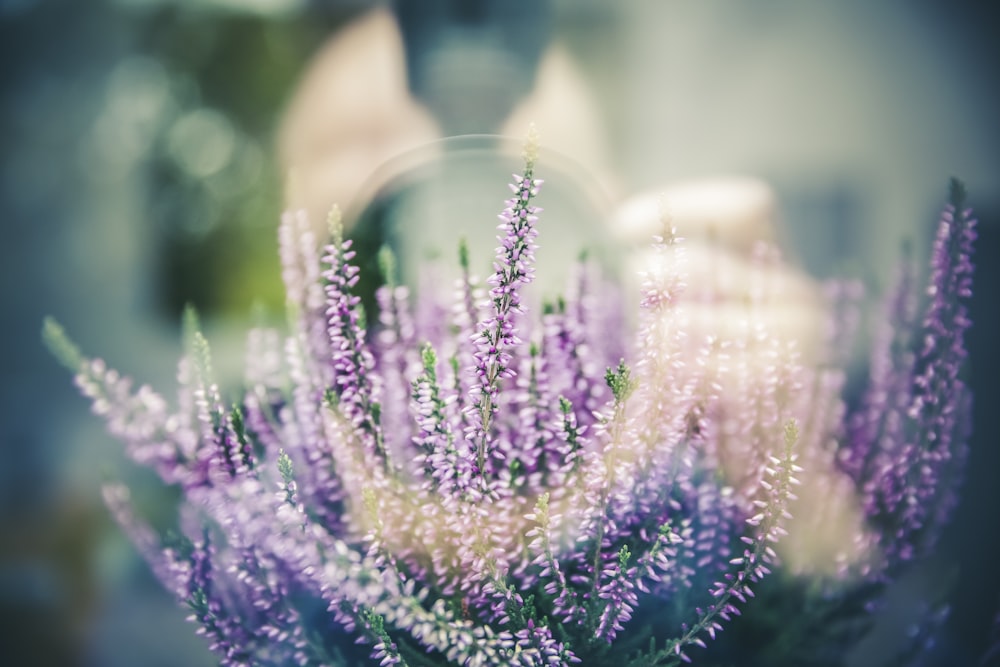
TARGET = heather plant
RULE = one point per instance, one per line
(505, 489)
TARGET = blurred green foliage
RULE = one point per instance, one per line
(218, 230)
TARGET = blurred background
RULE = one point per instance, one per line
(147, 148)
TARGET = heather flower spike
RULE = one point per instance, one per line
(508, 490)
(908, 439)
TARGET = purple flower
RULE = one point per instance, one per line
(908, 439)
(523, 497)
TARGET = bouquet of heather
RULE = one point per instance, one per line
(504, 489)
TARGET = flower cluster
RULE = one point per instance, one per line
(906, 443)
(506, 490)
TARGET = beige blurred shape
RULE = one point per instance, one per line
(727, 226)
(562, 106)
(736, 212)
(350, 113)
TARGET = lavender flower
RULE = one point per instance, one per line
(516, 494)
(908, 439)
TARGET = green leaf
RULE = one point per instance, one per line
(285, 467)
(620, 381)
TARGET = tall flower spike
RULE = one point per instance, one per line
(139, 418)
(397, 360)
(919, 440)
(496, 336)
(352, 359)
(465, 319)
(940, 398)
(301, 267)
(875, 429)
